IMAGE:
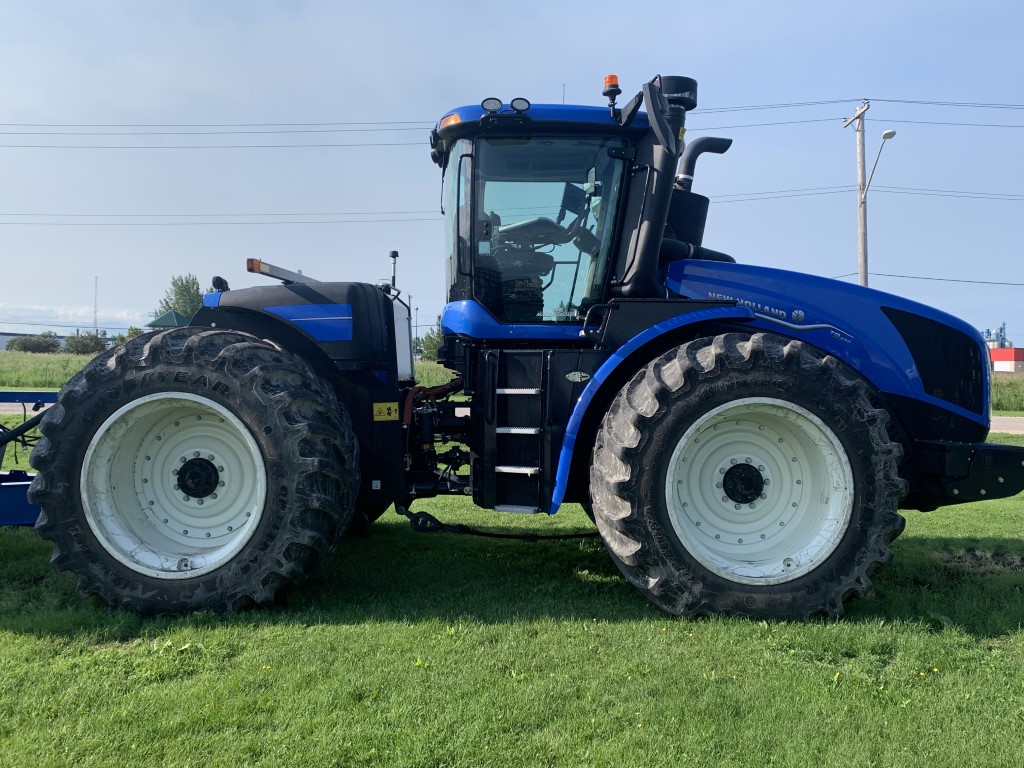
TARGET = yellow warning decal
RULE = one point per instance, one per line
(385, 411)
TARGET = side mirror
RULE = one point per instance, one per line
(657, 113)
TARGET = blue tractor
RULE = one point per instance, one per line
(744, 438)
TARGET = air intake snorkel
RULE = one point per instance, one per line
(667, 99)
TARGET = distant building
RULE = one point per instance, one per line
(172, 319)
(1007, 359)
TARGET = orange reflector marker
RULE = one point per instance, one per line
(254, 265)
(449, 120)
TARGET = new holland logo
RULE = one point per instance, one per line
(577, 377)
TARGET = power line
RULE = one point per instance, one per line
(937, 279)
(398, 144)
(425, 123)
(420, 144)
(946, 122)
(785, 105)
(204, 133)
(205, 223)
(782, 196)
(961, 104)
(950, 280)
(762, 125)
(85, 324)
(333, 125)
(217, 215)
(430, 215)
(1007, 198)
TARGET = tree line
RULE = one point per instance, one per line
(185, 297)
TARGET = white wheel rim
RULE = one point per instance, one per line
(801, 511)
(136, 478)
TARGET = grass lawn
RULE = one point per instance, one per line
(439, 650)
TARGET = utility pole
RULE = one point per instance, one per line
(862, 186)
(95, 302)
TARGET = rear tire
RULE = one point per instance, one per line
(194, 469)
(747, 474)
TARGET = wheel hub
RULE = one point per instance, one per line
(198, 478)
(759, 491)
(743, 483)
(155, 482)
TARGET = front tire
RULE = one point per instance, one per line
(747, 474)
(194, 469)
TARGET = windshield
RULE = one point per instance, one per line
(544, 219)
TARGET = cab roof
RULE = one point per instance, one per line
(553, 115)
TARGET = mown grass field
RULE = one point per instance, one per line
(438, 650)
(413, 649)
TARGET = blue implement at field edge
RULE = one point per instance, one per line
(14, 506)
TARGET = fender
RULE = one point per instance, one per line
(894, 343)
(612, 365)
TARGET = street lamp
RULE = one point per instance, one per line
(862, 187)
(886, 135)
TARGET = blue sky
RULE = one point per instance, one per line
(946, 201)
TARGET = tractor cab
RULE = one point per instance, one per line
(530, 223)
(551, 210)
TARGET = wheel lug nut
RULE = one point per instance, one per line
(200, 501)
(181, 460)
(195, 455)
